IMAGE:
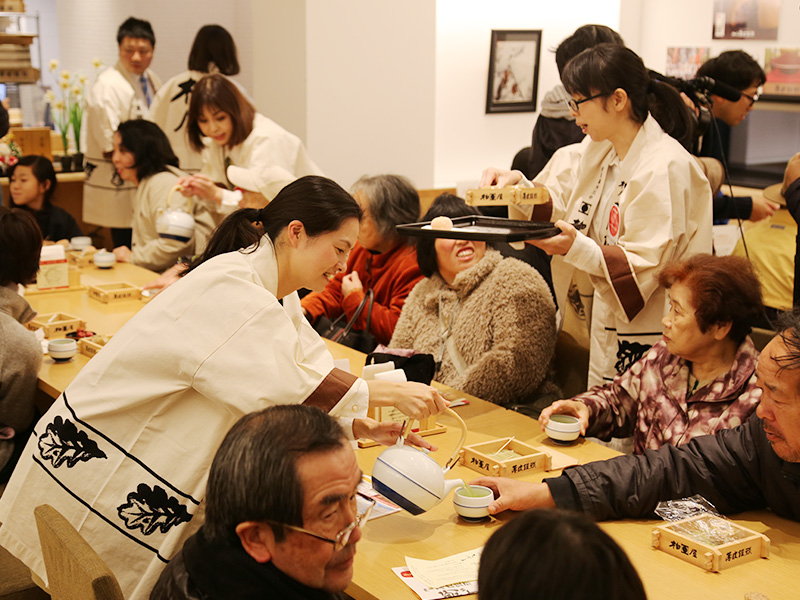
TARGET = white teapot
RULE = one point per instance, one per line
(413, 480)
(176, 223)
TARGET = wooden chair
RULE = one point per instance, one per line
(572, 365)
(15, 580)
(74, 570)
(761, 337)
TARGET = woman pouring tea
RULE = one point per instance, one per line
(124, 452)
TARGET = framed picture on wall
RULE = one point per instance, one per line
(513, 71)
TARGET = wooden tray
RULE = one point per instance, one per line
(56, 324)
(495, 196)
(111, 292)
(89, 347)
(485, 229)
(673, 539)
(482, 458)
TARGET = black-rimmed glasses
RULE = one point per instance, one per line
(575, 105)
(341, 539)
(753, 99)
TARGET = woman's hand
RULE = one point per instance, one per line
(351, 283)
(560, 243)
(201, 186)
(122, 254)
(500, 177)
(417, 400)
(512, 494)
(167, 278)
(567, 407)
(387, 432)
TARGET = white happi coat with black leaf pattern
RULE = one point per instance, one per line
(633, 216)
(124, 452)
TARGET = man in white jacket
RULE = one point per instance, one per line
(121, 93)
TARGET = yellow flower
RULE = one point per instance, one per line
(60, 105)
(83, 79)
(49, 96)
(76, 90)
(97, 63)
(53, 64)
(64, 85)
(65, 75)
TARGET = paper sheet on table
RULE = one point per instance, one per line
(457, 568)
(426, 593)
(559, 460)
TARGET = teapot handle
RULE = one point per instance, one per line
(189, 200)
(454, 458)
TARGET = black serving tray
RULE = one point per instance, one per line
(492, 229)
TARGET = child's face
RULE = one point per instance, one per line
(26, 190)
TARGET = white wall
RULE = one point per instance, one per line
(466, 139)
(765, 136)
(88, 29)
(370, 88)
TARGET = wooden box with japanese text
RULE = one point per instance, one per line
(56, 325)
(504, 457)
(504, 196)
(111, 292)
(710, 542)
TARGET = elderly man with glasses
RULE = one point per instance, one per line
(738, 70)
(281, 514)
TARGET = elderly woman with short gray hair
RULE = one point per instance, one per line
(382, 260)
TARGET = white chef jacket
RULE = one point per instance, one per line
(658, 210)
(151, 251)
(170, 111)
(124, 452)
(115, 97)
(278, 156)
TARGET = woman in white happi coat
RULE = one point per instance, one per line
(628, 199)
(225, 126)
(124, 452)
(142, 156)
(213, 51)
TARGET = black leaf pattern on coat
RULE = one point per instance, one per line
(62, 442)
(628, 353)
(150, 509)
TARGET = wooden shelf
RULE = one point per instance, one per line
(21, 39)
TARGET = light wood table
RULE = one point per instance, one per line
(103, 319)
(439, 532)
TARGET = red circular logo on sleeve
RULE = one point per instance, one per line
(613, 221)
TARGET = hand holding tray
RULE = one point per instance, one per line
(485, 229)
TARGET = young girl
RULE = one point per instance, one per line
(33, 182)
(142, 156)
(224, 125)
(628, 199)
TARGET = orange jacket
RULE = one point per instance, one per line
(392, 275)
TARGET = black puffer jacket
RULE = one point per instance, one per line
(736, 470)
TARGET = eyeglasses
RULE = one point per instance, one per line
(341, 539)
(753, 99)
(575, 105)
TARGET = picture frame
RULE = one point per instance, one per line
(513, 70)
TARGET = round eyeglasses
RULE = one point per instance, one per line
(341, 539)
(575, 105)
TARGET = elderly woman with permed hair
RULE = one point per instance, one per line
(382, 260)
(699, 378)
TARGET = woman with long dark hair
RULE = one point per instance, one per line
(628, 199)
(124, 452)
(142, 156)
